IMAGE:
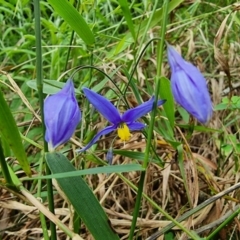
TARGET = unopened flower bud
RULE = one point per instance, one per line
(189, 87)
(61, 115)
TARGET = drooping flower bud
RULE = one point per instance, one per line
(61, 115)
(189, 87)
(109, 156)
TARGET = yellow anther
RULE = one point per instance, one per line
(123, 132)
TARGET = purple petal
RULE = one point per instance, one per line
(136, 126)
(189, 87)
(68, 88)
(61, 115)
(133, 114)
(103, 105)
(97, 136)
(197, 102)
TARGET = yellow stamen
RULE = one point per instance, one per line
(123, 132)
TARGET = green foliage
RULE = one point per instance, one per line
(74, 19)
(232, 104)
(82, 198)
(10, 134)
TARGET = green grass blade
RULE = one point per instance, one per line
(96, 170)
(74, 19)
(11, 135)
(82, 198)
(127, 16)
(49, 86)
(166, 93)
(4, 168)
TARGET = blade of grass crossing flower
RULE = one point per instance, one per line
(82, 198)
(106, 169)
(127, 15)
(166, 93)
(10, 133)
(74, 19)
(151, 125)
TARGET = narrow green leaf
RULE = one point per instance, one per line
(157, 17)
(97, 170)
(49, 86)
(127, 16)
(4, 167)
(82, 198)
(166, 93)
(11, 135)
(74, 19)
(145, 25)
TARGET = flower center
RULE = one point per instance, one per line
(123, 132)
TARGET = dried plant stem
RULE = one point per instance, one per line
(193, 211)
(49, 214)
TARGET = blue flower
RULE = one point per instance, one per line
(189, 87)
(122, 123)
(61, 115)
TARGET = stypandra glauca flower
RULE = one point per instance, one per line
(123, 123)
(189, 87)
(61, 116)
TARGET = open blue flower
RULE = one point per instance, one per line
(61, 115)
(189, 87)
(122, 123)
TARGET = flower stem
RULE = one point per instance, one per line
(39, 71)
(156, 206)
(42, 217)
(151, 126)
(223, 224)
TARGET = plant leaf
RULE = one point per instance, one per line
(97, 170)
(49, 86)
(11, 135)
(128, 17)
(166, 93)
(74, 19)
(82, 198)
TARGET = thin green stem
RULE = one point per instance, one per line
(151, 126)
(71, 41)
(39, 70)
(4, 168)
(195, 210)
(223, 224)
(42, 217)
(69, 50)
(155, 205)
